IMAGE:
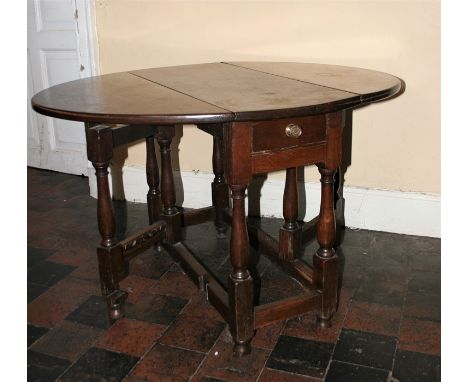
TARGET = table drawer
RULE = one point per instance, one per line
(288, 132)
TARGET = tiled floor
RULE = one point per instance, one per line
(387, 327)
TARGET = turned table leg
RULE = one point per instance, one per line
(325, 259)
(290, 233)
(219, 187)
(110, 258)
(152, 177)
(240, 284)
(339, 203)
(170, 212)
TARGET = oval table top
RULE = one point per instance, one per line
(216, 92)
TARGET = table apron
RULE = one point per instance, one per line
(268, 161)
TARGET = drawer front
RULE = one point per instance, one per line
(288, 132)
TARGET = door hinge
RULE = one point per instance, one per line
(76, 14)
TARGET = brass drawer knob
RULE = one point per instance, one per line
(293, 130)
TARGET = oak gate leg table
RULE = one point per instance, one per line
(263, 117)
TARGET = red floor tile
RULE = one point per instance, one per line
(193, 333)
(175, 283)
(130, 337)
(200, 307)
(220, 363)
(373, 318)
(166, 363)
(59, 301)
(73, 256)
(420, 336)
(136, 287)
(88, 270)
(266, 337)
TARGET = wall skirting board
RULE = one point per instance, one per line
(380, 210)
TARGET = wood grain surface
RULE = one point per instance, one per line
(215, 92)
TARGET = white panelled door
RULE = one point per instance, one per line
(61, 48)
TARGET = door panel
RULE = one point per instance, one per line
(57, 53)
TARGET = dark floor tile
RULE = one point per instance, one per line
(88, 270)
(266, 337)
(306, 325)
(277, 285)
(358, 238)
(212, 252)
(385, 274)
(193, 333)
(423, 244)
(75, 256)
(200, 307)
(389, 250)
(92, 312)
(58, 301)
(45, 368)
(374, 318)
(35, 290)
(52, 241)
(300, 356)
(269, 375)
(425, 262)
(100, 365)
(34, 333)
(134, 379)
(36, 255)
(166, 285)
(222, 364)
(386, 293)
(345, 372)
(151, 264)
(48, 177)
(137, 287)
(166, 363)
(425, 282)
(420, 336)
(354, 257)
(351, 278)
(48, 273)
(367, 349)
(38, 204)
(130, 337)
(68, 340)
(416, 367)
(259, 264)
(157, 309)
(422, 306)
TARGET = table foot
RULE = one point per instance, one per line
(324, 323)
(115, 304)
(158, 247)
(221, 233)
(242, 348)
